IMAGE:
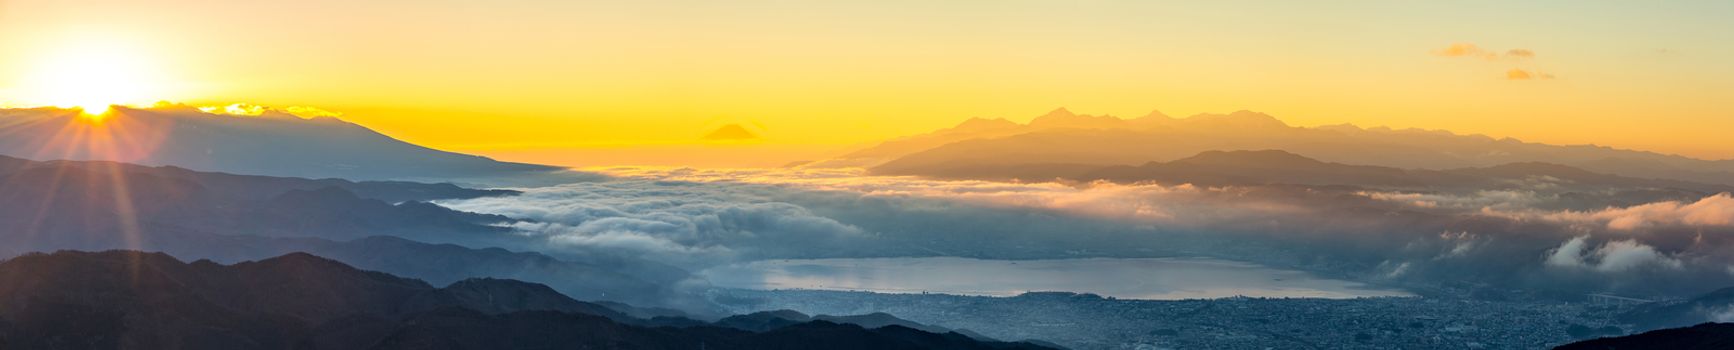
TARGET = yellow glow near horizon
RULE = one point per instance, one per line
(93, 76)
(545, 80)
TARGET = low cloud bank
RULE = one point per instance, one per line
(1507, 239)
(683, 223)
(1713, 211)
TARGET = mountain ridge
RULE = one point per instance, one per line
(130, 299)
(1246, 130)
(277, 145)
(55, 205)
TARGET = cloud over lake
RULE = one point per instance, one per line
(699, 218)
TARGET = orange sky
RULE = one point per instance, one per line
(642, 82)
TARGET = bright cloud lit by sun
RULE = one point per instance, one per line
(92, 75)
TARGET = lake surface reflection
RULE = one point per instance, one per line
(1143, 278)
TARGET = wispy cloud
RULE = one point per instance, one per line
(1464, 50)
(1518, 74)
(1468, 50)
(1473, 51)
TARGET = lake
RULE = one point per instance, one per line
(1139, 278)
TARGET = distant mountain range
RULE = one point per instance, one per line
(274, 144)
(126, 299)
(982, 146)
(982, 128)
(89, 205)
(64, 201)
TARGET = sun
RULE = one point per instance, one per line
(94, 76)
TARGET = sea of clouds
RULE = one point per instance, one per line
(700, 218)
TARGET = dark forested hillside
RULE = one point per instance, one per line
(136, 300)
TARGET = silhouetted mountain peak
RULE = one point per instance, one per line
(498, 296)
(300, 258)
(879, 316)
(1055, 117)
(765, 320)
(784, 314)
(731, 132)
(1061, 112)
(1062, 118)
(1151, 120)
(1037, 154)
(299, 261)
(309, 267)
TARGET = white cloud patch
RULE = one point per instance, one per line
(694, 217)
(242, 109)
(1723, 314)
(1493, 199)
(1710, 211)
(1616, 256)
(1716, 210)
(1177, 205)
(1461, 243)
(253, 110)
(680, 223)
